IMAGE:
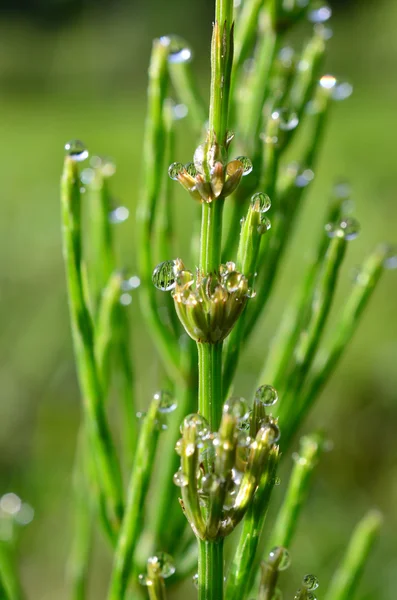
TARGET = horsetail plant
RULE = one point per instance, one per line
(218, 454)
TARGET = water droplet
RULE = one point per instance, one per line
(264, 226)
(87, 176)
(164, 275)
(390, 261)
(209, 484)
(191, 169)
(174, 169)
(76, 150)
(287, 120)
(342, 91)
(180, 111)
(282, 555)
(180, 479)
(236, 407)
(328, 82)
(165, 564)
(25, 515)
(179, 52)
(266, 394)
(229, 136)
(179, 447)
(132, 283)
(304, 178)
(140, 415)
(119, 215)
(320, 13)
(195, 579)
(125, 299)
(251, 293)
(144, 580)
(232, 281)
(167, 402)
(184, 278)
(247, 164)
(10, 503)
(348, 228)
(261, 202)
(271, 431)
(310, 582)
(199, 422)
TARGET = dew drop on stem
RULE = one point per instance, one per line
(261, 202)
(179, 51)
(310, 582)
(266, 394)
(76, 150)
(282, 556)
(236, 407)
(167, 402)
(165, 564)
(247, 164)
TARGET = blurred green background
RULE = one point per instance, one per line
(73, 69)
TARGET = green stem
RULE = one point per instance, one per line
(210, 383)
(133, 518)
(211, 236)
(210, 570)
(9, 581)
(347, 576)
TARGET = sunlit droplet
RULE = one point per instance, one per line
(247, 164)
(328, 82)
(310, 582)
(264, 226)
(174, 169)
(167, 402)
(164, 275)
(180, 479)
(236, 407)
(266, 394)
(76, 150)
(119, 215)
(261, 202)
(283, 557)
(179, 52)
(164, 562)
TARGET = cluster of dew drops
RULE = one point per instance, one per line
(77, 151)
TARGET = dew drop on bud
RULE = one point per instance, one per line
(261, 202)
(164, 275)
(180, 479)
(167, 402)
(347, 228)
(282, 556)
(190, 169)
(200, 423)
(247, 164)
(266, 394)
(165, 564)
(174, 169)
(236, 407)
(184, 278)
(310, 582)
(179, 51)
(232, 281)
(76, 150)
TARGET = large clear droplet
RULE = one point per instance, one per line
(236, 407)
(76, 150)
(283, 556)
(167, 402)
(164, 275)
(200, 423)
(347, 228)
(165, 564)
(261, 202)
(174, 169)
(310, 582)
(191, 169)
(247, 164)
(266, 394)
(179, 51)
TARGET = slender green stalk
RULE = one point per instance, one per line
(9, 580)
(210, 570)
(211, 236)
(134, 510)
(287, 517)
(242, 567)
(155, 141)
(108, 470)
(210, 383)
(347, 576)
